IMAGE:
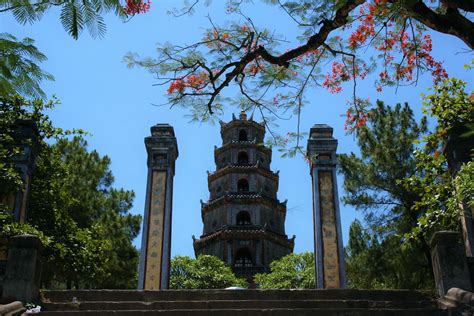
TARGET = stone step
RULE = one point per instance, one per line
(234, 295)
(233, 304)
(257, 312)
(12, 309)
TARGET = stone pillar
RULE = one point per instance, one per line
(23, 273)
(154, 268)
(3, 260)
(449, 262)
(458, 150)
(329, 252)
(26, 137)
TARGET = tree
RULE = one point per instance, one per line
(438, 193)
(75, 16)
(204, 272)
(19, 59)
(19, 70)
(294, 271)
(376, 261)
(407, 192)
(271, 78)
(372, 184)
(365, 267)
(386, 155)
(12, 109)
(84, 222)
(73, 203)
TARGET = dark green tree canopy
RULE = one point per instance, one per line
(73, 202)
(375, 255)
(294, 271)
(81, 218)
(386, 147)
(204, 272)
(12, 109)
(405, 192)
(379, 261)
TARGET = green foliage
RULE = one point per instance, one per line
(452, 106)
(438, 195)
(464, 186)
(17, 108)
(377, 263)
(82, 220)
(9, 228)
(73, 202)
(294, 271)
(19, 70)
(121, 228)
(205, 272)
(450, 103)
(433, 187)
(79, 257)
(377, 256)
(75, 15)
(386, 155)
(406, 205)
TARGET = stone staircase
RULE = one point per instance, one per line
(240, 302)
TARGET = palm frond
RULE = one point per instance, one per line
(72, 18)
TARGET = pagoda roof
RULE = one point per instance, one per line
(242, 120)
(243, 198)
(242, 144)
(242, 168)
(250, 232)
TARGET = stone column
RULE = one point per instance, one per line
(449, 262)
(329, 252)
(458, 150)
(26, 137)
(23, 273)
(154, 268)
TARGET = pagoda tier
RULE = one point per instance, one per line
(244, 222)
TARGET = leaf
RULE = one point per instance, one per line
(72, 19)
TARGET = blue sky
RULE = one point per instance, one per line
(100, 95)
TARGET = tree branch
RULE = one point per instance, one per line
(452, 22)
(314, 42)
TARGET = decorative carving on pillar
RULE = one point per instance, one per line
(162, 150)
(329, 252)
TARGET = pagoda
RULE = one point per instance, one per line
(244, 222)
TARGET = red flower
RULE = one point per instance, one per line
(137, 6)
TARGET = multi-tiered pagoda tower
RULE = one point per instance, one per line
(244, 222)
